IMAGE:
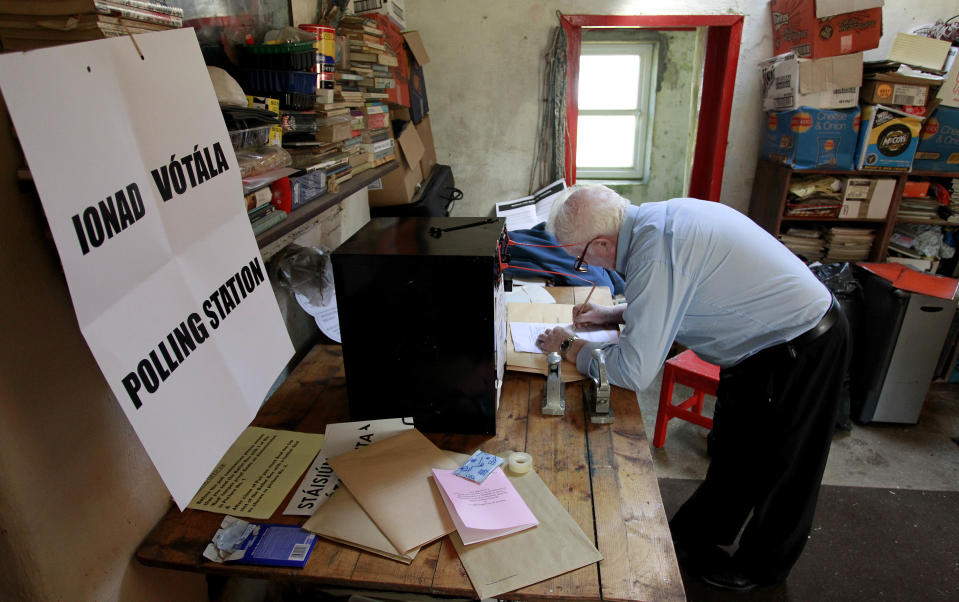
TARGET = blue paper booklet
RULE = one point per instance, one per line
(238, 541)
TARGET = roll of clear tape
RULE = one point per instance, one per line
(520, 462)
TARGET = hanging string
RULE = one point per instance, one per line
(549, 158)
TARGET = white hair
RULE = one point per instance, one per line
(586, 212)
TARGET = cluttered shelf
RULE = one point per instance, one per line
(323, 202)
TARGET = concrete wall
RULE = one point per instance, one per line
(483, 82)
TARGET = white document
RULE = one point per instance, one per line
(341, 437)
(526, 212)
(141, 189)
(529, 293)
(525, 333)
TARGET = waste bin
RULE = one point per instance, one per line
(905, 320)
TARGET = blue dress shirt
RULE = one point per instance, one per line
(708, 277)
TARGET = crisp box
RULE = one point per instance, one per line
(820, 28)
(938, 148)
(808, 138)
(887, 140)
(789, 82)
(895, 89)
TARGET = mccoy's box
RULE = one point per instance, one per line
(789, 82)
(887, 140)
(820, 28)
(807, 138)
(938, 148)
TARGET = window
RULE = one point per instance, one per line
(615, 109)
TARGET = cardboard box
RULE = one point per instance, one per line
(887, 139)
(392, 9)
(419, 105)
(400, 185)
(820, 28)
(894, 89)
(867, 198)
(948, 93)
(425, 131)
(789, 82)
(938, 148)
(919, 51)
(807, 138)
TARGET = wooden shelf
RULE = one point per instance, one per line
(323, 202)
(840, 220)
(931, 222)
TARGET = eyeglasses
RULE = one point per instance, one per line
(581, 265)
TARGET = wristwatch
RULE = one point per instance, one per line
(564, 346)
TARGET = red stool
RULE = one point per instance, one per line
(685, 369)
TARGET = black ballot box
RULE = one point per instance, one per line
(423, 321)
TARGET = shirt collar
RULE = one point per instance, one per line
(625, 237)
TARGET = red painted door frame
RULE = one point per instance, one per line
(719, 77)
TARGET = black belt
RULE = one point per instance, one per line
(831, 317)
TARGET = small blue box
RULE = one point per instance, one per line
(808, 138)
(938, 148)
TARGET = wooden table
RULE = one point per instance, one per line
(602, 474)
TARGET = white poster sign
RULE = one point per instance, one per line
(141, 190)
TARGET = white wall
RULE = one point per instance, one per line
(483, 82)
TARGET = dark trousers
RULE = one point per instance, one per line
(772, 427)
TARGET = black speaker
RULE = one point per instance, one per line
(423, 321)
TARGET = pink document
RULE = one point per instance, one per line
(486, 510)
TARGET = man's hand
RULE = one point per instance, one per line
(552, 338)
(590, 315)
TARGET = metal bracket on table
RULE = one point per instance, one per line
(554, 393)
(597, 394)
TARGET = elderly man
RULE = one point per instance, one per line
(704, 275)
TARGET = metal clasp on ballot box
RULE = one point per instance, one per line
(554, 393)
(597, 394)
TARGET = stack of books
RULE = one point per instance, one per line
(848, 244)
(919, 208)
(370, 60)
(42, 23)
(807, 243)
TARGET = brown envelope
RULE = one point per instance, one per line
(554, 547)
(391, 479)
(342, 520)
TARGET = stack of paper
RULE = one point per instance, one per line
(556, 546)
(336, 515)
(805, 242)
(391, 481)
(486, 510)
(848, 244)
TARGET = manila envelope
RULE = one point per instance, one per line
(392, 481)
(341, 519)
(556, 546)
(549, 313)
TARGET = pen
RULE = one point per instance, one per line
(587, 298)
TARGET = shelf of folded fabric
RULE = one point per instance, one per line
(321, 203)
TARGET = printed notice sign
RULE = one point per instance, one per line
(141, 190)
(257, 472)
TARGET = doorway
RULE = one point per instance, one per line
(722, 35)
